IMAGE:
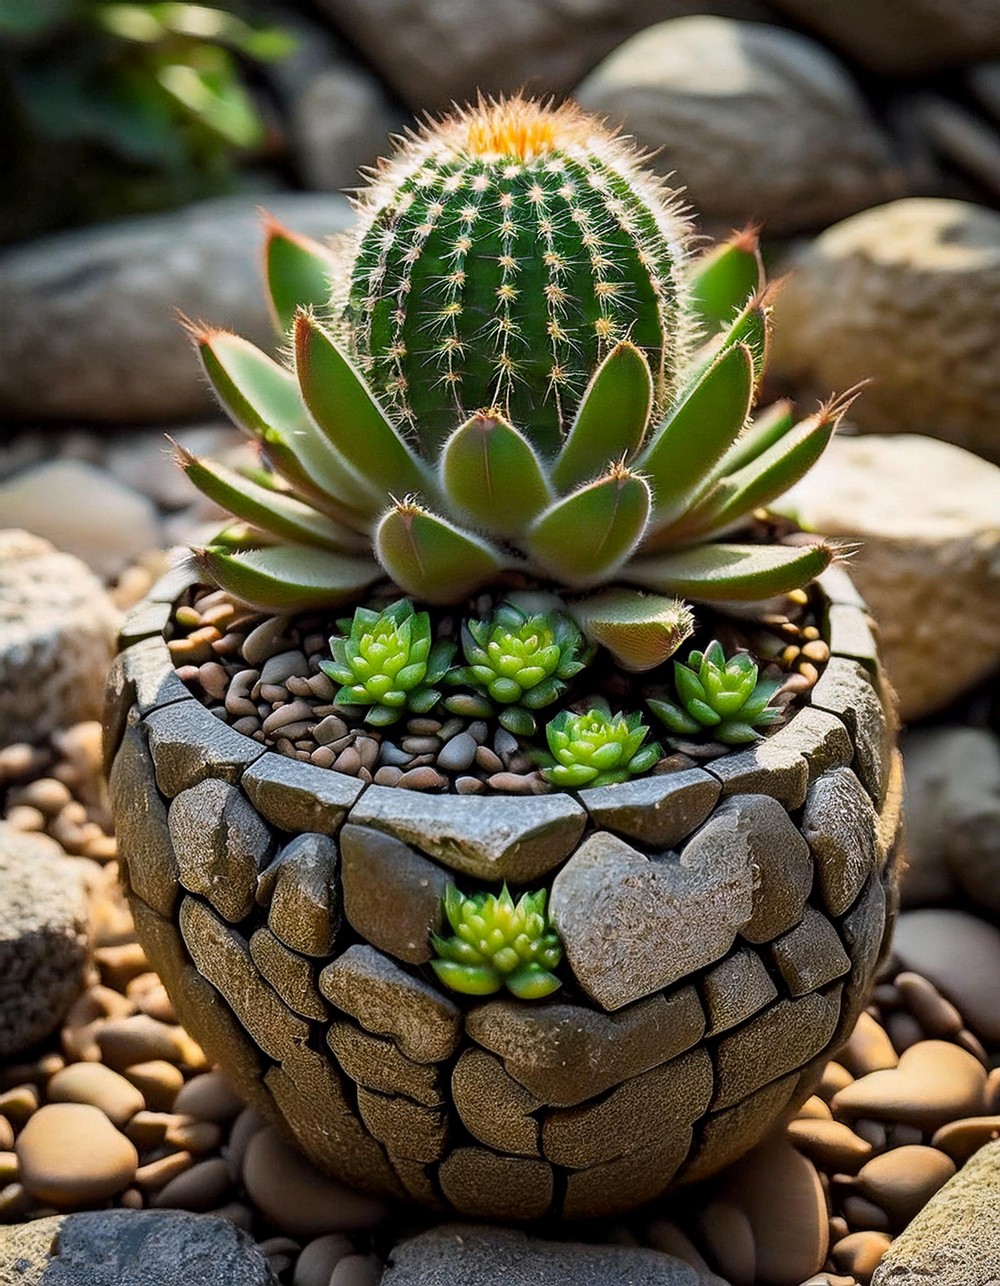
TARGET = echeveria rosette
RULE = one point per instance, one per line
(498, 943)
(721, 697)
(388, 661)
(597, 748)
(519, 663)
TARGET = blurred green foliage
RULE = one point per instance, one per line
(115, 108)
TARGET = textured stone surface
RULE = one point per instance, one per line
(340, 121)
(838, 823)
(729, 1133)
(735, 989)
(69, 1155)
(779, 858)
(43, 938)
(493, 1107)
(810, 955)
(145, 848)
(189, 745)
(481, 1183)
(292, 976)
(299, 797)
(302, 894)
(131, 1248)
(387, 1000)
(380, 1065)
(503, 837)
(657, 811)
(407, 1129)
(221, 845)
(771, 767)
(631, 925)
(57, 629)
(392, 894)
(722, 97)
(845, 688)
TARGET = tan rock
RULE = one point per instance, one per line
(960, 954)
(927, 517)
(907, 295)
(935, 1082)
(902, 1180)
(830, 1144)
(70, 1154)
(859, 1253)
(99, 1086)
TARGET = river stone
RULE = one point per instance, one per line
(57, 628)
(618, 1186)
(631, 925)
(810, 955)
(935, 1082)
(719, 97)
(481, 1256)
(735, 989)
(960, 954)
(845, 688)
(149, 671)
(131, 1248)
(301, 891)
(69, 1154)
(839, 824)
(657, 811)
(43, 937)
(292, 976)
(189, 744)
(494, 1107)
(299, 797)
(388, 1001)
(476, 1180)
(392, 894)
(565, 1053)
(340, 122)
(407, 1129)
(503, 837)
(221, 845)
(955, 1239)
(776, 766)
(379, 1064)
(780, 861)
(91, 329)
(145, 848)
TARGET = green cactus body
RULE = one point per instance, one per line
(502, 280)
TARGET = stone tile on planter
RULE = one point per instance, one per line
(845, 689)
(392, 894)
(174, 581)
(863, 930)
(300, 797)
(888, 829)
(221, 845)
(777, 1041)
(407, 1129)
(290, 974)
(566, 1054)
(223, 956)
(145, 849)
(387, 1000)
(783, 764)
(839, 824)
(849, 632)
(189, 744)
(656, 1108)
(504, 837)
(377, 1063)
(726, 1135)
(494, 1107)
(735, 989)
(628, 1181)
(302, 894)
(146, 620)
(142, 676)
(631, 925)
(810, 955)
(483, 1184)
(838, 587)
(781, 859)
(420, 1182)
(657, 811)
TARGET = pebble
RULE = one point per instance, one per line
(420, 727)
(70, 1154)
(903, 1030)
(349, 761)
(282, 666)
(140, 1039)
(859, 1254)
(330, 729)
(935, 1082)
(904, 1179)
(18, 1103)
(729, 1241)
(319, 1258)
(9, 1169)
(960, 1139)
(265, 640)
(424, 778)
(121, 965)
(209, 1097)
(285, 717)
(6, 1135)
(862, 1214)
(835, 1077)
(388, 775)
(100, 1087)
(868, 1049)
(829, 1144)
(199, 1137)
(200, 1188)
(504, 743)
(421, 745)
(158, 1081)
(357, 1270)
(458, 754)
(323, 757)
(155, 1176)
(470, 786)
(960, 954)
(814, 1108)
(392, 756)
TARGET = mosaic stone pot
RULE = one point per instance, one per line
(721, 928)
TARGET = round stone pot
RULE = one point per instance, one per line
(721, 928)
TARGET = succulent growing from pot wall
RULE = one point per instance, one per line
(514, 365)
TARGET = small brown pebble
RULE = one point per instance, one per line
(70, 1154)
(967, 1040)
(197, 1137)
(99, 1086)
(249, 726)
(321, 686)
(120, 965)
(861, 1213)
(330, 729)
(838, 1227)
(157, 1174)
(218, 613)
(6, 1135)
(200, 1188)
(214, 678)
(131, 1199)
(904, 1179)
(209, 1097)
(830, 1279)
(187, 673)
(348, 761)
(319, 1258)
(298, 686)
(835, 1077)
(189, 618)
(275, 694)
(266, 640)
(488, 760)
(425, 778)
(323, 757)
(868, 1049)
(9, 1169)
(244, 1128)
(17, 1104)
(873, 1132)
(157, 1004)
(859, 1254)
(814, 1109)
(24, 818)
(158, 1081)
(421, 745)
(46, 794)
(830, 1144)
(510, 783)
(936, 1015)
(729, 1241)
(421, 727)
(147, 1130)
(357, 1270)
(960, 1139)
(816, 650)
(470, 786)
(387, 775)
(15, 1201)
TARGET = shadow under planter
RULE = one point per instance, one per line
(721, 928)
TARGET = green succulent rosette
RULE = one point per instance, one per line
(498, 943)
(388, 661)
(597, 748)
(724, 698)
(517, 662)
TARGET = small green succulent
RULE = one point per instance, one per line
(498, 943)
(723, 697)
(597, 748)
(387, 661)
(518, 662)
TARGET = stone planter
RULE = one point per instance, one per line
(721, 928)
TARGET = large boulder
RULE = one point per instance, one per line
(90, 317)
(907, 295)
(340, 122)
(714, 98)
(927, 518)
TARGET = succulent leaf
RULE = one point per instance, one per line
(751, 327)
(298, 273)
(721, 697)
(719, 572)
(585, 537)
(768, 427)
(640, 631)
(491, 471)
(596, 748)
(431, 558)
(288, 578)
(724, 278)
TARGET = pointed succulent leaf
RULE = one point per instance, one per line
(706, 421)
(612, 419)
(470, 980)
(735, 732)
(640, 631)
(298, 272)
(720, 572)
(431, 558)
(532, 982)
(585, 537)
(724, 278)
(768, 427)
(751, 327)
(676, 719)
(288, 578)
(491, 471)
(761, 697)
(689, 685)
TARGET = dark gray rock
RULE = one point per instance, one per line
(144, 621)
(781, 862)
(839, 824)
(221, 844)
(657, 811)
(340, 121)
(810, 955)
(863, 930)
(292, 976)
(476, 1180)
(497, 838)
(850, 635)
(392, 894)
(378, 1064)
(735, 989)
(43, 938)
(389, 1001)
(302, 894)
(565, 1053)
(189, 744)
(145, 849)
(407, 1129)
(494, 1108)
(783, 764)
(845, 688)
(631, 925)
(300, 797)
(131, 1248)
(482, 1256)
